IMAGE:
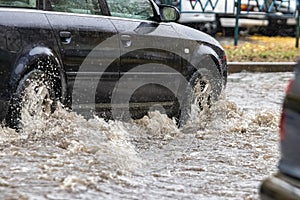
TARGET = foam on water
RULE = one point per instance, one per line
(74, 134)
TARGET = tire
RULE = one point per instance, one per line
(203, 90)
(34, 98)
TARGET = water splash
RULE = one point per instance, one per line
(222, 153)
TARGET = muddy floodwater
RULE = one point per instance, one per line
(222, 153)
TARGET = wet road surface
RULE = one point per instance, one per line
(222, 153)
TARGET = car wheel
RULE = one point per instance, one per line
(202, 92)
(34, 98)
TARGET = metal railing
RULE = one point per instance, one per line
(204, 5)
(269, 7)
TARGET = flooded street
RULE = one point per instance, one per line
(223, 153)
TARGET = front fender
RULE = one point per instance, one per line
(207, 63)
(203, 57)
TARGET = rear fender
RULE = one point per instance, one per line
(44, 59)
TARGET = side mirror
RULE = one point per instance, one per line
(169, 13)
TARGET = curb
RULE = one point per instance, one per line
(235, 67)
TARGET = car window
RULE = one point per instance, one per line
(135, 9)
(76, 6)
(20, 3)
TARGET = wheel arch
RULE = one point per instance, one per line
(208, 62)
(44, 59)
(204, 57)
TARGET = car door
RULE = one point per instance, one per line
(149, 49)
(90, 59)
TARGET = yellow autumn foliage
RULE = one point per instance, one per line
(263, 49)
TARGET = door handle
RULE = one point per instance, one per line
(126, 40)
(65, 37)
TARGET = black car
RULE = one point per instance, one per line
(114, 58)
(286, 183)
